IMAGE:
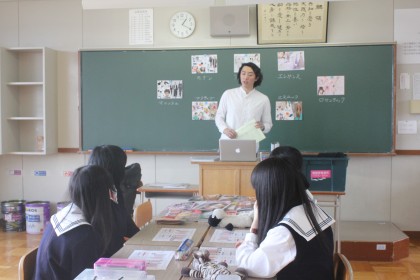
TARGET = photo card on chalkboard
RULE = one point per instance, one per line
(289, 110)
(292, 22)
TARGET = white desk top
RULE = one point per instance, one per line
(146, 235)
(173, 271)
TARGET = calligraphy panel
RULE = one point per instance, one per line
(297, 22)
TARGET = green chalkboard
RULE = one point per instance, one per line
(120, 105)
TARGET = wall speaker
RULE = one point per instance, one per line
(229, 21)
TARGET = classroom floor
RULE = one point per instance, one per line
(14, 244)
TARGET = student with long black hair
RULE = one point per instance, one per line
(294, 157)
(291, 154)
(114, 159)
(290, 237)
(80, 233)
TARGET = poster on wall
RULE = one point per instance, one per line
(238, 59)
(204, 110)
(289, 61)
(140, 26)
(204, 64)
(407, 35)
(289, 111)
(292, 22)
(170, 89)
(330, 85)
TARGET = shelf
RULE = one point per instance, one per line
(25, 84)
(28, 93)
(27, 153)
(26, 49)
(26, 118)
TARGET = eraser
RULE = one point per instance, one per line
(184, 250)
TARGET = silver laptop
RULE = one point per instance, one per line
(237, 150)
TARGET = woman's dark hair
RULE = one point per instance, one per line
(279, 187)
(113, 159)
(289, 153)
(293, 156)
(255, 69)
(89, 189)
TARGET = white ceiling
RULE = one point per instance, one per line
(118, 4)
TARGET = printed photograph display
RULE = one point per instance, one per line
(238, 59)
(204, 64)
(290, 61)
(204, 110)
(330, 85)
(289, 110)
(169, 89)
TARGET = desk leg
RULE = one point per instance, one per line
(335, 203)
(142, 197)
(337, 217)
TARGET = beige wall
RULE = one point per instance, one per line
(378, 188)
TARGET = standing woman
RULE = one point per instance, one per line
(290, 236)
(113, 159)
(80, 233)
(240, 105)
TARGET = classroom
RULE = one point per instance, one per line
(379, 187)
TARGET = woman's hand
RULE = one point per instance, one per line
(231, 133)
(254, 225)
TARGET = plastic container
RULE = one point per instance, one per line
(326, 173)
(37, 216)
(115, 263)
(13, 212)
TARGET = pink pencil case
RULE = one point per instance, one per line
(120, 264)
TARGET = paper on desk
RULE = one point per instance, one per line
(174, 234)
(249, 132)
(155, 260)
(226, 236)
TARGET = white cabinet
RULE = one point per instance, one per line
(28, 98)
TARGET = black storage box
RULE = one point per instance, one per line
(326, 172)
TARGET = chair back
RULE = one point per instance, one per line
(143, 214)
(27, 265)
(342, 268)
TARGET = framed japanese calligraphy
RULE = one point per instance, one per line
(293, 22)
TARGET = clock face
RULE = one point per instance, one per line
(182, 24)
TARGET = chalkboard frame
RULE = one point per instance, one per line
(195, 125)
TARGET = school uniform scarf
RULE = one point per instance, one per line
(67, 219)
(296, 219)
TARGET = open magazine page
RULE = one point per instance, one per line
(200, 210)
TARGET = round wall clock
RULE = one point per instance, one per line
(182, 24)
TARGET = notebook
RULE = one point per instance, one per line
(237, 150)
